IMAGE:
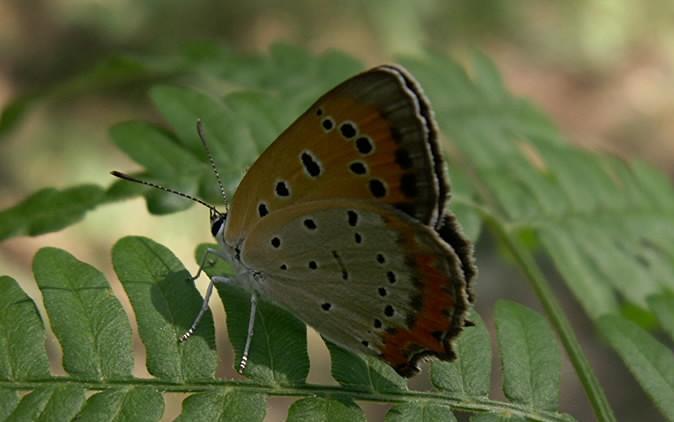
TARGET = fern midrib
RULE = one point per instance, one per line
(456, 402)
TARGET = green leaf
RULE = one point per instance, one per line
(294, 74)
(133, 404)
(470, 373)
(529, 356)
(109, 72)
(363, 372)
(86, 318)
(175, 165)
(223, 406)
(461, 197)
(663, 306)
(60, 403)
(278, 352)
(651, 362)
(49, 210)
(141, 142)
(491, 83)
(578, 270)
(22, 352)
(227, 137)
(165, 302)
(420, 412)
(603, 222)
(85, 315)
(264, 116)
(8, 402)
(13, 112)
(317, 409)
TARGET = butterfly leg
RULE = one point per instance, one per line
(202, 264)
(204, 306)
(249, 336)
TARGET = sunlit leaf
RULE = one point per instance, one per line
(86, 318)
(165, 302)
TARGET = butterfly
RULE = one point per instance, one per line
(342, 221)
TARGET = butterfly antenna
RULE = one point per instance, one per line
(202, 136)
(165, 189)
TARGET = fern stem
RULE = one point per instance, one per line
(553, 309)
(456, 402)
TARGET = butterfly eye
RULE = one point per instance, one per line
(217, 223)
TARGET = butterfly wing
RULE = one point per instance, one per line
(366, 276)
(372, 137)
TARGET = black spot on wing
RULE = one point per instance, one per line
(310, 164)
(358, 167)
(282, 189)
(352, 217)
(348, 130)
(327, 123)
(262, 209)
(377, 188)
(310, 224)
(364, 145)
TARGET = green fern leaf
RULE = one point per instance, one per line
(94, 334)
(651, 362)
(602, 221)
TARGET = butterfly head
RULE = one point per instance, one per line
(218, 220)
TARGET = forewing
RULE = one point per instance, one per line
(366, 276)
(372, 137)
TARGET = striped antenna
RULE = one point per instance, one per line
(165, 189)
(202, 136)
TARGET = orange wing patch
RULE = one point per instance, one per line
(441, 306)
(439, 320)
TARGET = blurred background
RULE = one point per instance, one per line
(602, 69)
